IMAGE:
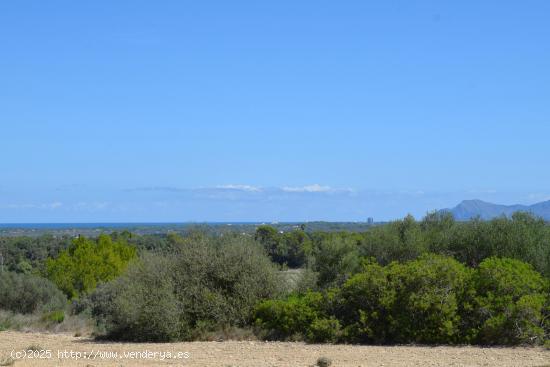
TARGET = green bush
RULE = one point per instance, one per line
(54, 317)
(364, 304)
(510, 303)
(325, 330)
(430, 295)
(418, 301)
(141, 305)
(298, 317)
(86, 263)
(208, 284)
(431, 300)
(290, 318)
(26, 294)
(221, 280)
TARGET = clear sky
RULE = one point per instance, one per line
(270, 110)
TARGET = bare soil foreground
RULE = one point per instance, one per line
(67, 350)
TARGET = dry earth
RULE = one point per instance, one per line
(257, 354)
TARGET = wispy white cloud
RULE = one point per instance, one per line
(94, 205)
(248, 188)
(316, 188)
(52, 205)
(308, 188)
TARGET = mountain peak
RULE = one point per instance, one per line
(473, 208)
(473, 202)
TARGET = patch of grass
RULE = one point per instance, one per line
(51, 322)
(34, 348)
(6, 361)
(225, 333)
(54, 317)
(3, 325)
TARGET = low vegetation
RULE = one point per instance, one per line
(27, 294)
(431, 300)
(434, 281)
(206, 285)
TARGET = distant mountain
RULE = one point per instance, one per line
(469, 209)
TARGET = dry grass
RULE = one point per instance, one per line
(226, 334)
(6, 360)
(37, 323)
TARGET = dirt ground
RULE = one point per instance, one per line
(248, 353)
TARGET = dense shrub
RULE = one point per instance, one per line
(26, 294)
(297, 317)
(417, 301)
(223, 278)
(431, 300)
(430, 294)
(364, 304)
(141, 305)
(510, 303)
(86, 263)
(324, 330)
(288, 318)
(522, 237)
(208, 284)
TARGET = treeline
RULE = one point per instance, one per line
(335, 256)
(429, 281)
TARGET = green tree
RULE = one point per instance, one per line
(87, 262)
(336, 259)
(270, 239)
(298, 247)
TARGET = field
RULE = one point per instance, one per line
(256, 354)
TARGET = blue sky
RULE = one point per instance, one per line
(282, 110)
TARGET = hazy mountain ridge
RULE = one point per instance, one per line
(469, 209)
